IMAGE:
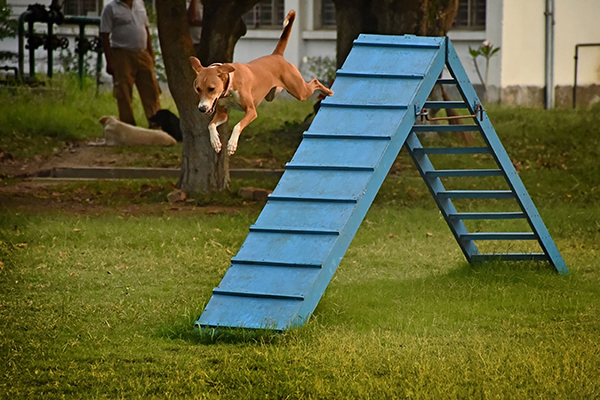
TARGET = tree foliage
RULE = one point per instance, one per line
(8, 27)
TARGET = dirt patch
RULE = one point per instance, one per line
(77, 154)
(80, 154)
(35, 196)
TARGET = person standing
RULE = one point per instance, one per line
(194, 15)
(129, 56)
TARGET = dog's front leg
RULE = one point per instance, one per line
(219, 119)
(237, 130)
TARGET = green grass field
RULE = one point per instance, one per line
(101, 304)
(103, 307)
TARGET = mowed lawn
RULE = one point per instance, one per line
(102, 304)
(103, 307)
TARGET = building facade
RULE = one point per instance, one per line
(537, 41)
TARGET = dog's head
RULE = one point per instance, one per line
(211, 84)
(168, 122)
(107, 119)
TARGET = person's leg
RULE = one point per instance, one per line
(123, 79)
(147, 84)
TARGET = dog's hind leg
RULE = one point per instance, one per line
(273, 93)
(295, 84)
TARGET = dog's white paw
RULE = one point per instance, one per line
(233, 139)
(231, 147)
(215, 142)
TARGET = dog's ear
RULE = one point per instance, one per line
(225, 69)
(196, 65)
(103, 120)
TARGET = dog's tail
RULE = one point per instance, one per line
(285, 35)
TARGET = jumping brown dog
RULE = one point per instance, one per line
(244, 86)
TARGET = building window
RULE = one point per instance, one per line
(327, 14)
(266, 14)
(81, 7)
(471, 14)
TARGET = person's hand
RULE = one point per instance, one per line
(109, 69)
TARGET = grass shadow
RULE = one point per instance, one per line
(186, 330)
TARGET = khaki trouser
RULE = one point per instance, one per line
(134, 68)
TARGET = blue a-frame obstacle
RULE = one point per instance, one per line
(292, 251)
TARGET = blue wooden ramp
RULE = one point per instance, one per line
(292, 251)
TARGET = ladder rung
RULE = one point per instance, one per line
(452, 150)
(357, 74)
(367, 106)
(445, 104)
(273, 197)
(446, 81)
(444, 173)
(314, 135)
(476, 194)
(445, 128)
(305, 167)
(509, 257)
(264, 295)
(499, 236)
(280, 264)
(487, 215)
(298, 231)
(399, 45)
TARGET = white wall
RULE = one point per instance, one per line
(522, 52)
(523, 41)
(309, 41)
(577, 22)
(20, 6)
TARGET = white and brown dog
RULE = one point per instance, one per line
(244, 86)
(119, 133)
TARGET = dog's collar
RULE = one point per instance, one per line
(229, 81)
(228, 85)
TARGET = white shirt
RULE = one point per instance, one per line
(195, 31)
(127, 26)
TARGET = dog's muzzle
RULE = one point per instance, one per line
(206, 110)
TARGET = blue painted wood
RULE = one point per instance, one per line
(500, 236)
(475, 194)
(292, 251)
(329, 185)
(503, 160)
(445, 173)
(361, 74)
(435, 186)
(488, 215)
(365, 153)
(510, 257)
(453, 150)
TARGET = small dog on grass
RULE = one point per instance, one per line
(168, 122)
(244, 86)
(119, 133)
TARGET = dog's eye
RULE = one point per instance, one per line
(212, 89)
(196, 89)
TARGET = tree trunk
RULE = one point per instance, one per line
(222, 28)
(390, 17)
(202, 169)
